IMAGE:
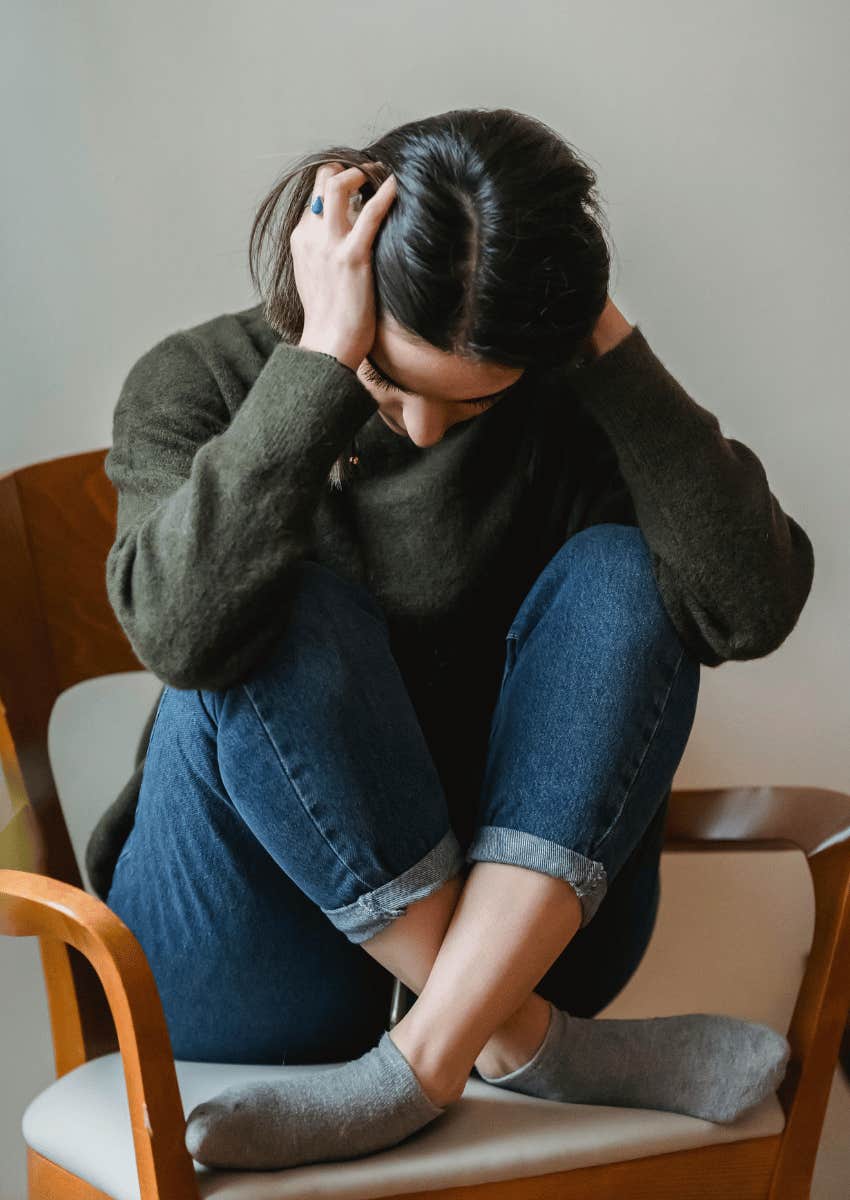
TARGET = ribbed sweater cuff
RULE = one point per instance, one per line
(303, 408)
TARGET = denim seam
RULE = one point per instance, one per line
(650, 739)
(199, 692)
(507, 664)
(306, 809)
(376, 909)
(159, 705)
(517, 847)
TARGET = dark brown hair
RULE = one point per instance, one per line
(494, 248)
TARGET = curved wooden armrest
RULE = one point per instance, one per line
(811, 818)
(37, 905)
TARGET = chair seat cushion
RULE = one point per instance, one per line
(81, 1122)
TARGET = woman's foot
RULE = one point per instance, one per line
(517, 1040)
(700, 1064)
(363, 1106)
(442, 1075)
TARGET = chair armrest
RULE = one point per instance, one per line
(40, 906)
(816, 821)
(808, 817)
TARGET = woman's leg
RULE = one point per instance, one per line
(596, 705)
(597, 701)
(247, 967)
(282, 822)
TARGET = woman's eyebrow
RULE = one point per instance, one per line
(407, 391)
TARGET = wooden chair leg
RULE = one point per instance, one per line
(844, 1052)
(401, 1000)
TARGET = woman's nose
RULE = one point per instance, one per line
(425, 428)
(429, 439)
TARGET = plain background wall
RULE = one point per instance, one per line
(139, 140)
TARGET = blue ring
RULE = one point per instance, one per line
(317, 205)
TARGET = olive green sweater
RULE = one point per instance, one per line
(223, 439)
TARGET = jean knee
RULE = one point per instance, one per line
(325, 605)
(602, 576)
(617, 559)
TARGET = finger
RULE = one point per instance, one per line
(323, 174)
(325, 171)
(371, 216)
(339, 189)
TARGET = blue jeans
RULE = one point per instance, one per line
(285, 820)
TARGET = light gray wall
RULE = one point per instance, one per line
(139, 139)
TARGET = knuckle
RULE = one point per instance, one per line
(354, 259)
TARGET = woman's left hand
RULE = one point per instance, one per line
(610, 328)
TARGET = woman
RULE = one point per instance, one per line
(428, 549)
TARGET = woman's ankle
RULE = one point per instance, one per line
(441, 1076)
(442, 1061)
(517, 1041)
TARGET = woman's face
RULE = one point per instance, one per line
(421, 391)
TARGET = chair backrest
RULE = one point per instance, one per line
(21, 845)
(57, 627)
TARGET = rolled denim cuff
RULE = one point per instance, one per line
(588, 878)
(375, 910)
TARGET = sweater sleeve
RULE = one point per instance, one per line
(214, 512)
(732, 568)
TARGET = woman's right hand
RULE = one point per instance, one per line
(332, 263)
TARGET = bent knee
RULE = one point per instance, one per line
(330, 623)
(605, 574)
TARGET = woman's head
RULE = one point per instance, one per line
(492, 258)
(422, 391)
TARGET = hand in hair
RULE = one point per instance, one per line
(332, 262)
(610, 329)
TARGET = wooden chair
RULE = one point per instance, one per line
(57, 522)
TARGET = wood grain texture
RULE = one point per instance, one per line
(33, 904)
(739, 1169)
(47, 1181)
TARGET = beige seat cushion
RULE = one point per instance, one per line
(81, 1121)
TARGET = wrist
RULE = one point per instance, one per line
(323, 346)
(607, 335)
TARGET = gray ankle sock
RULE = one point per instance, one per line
(362, 1106)
(704, 1065)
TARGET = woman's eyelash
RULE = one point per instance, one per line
(375, 377)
